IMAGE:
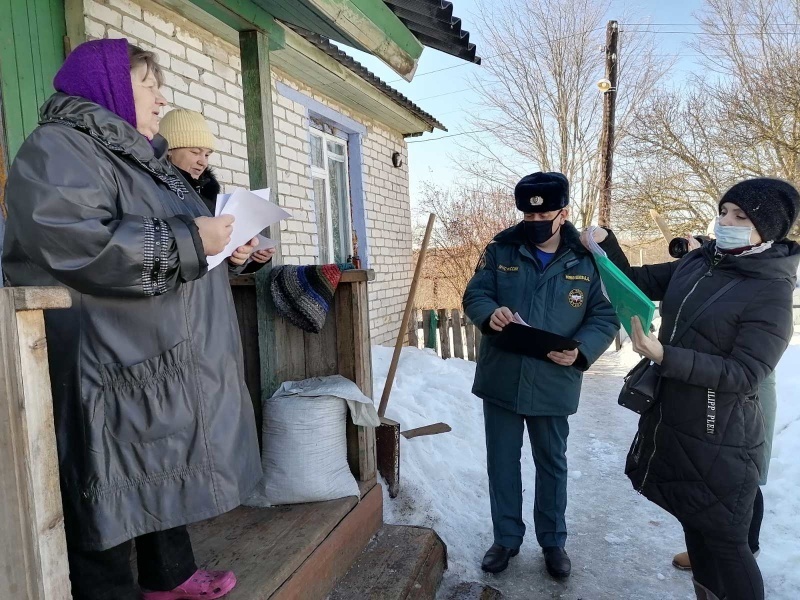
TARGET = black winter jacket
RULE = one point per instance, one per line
(698, 452)
(207, 186)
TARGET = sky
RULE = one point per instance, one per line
(445, 93)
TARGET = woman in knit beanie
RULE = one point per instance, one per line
(191, 144)
(154, 426)
(726, 313)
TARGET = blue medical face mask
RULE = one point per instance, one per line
(731, 237)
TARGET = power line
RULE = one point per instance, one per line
(464, 63)
(444, 137)
(696, 24)
(715, 34)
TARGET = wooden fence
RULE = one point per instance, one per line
(454, 335)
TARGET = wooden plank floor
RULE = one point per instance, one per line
(265, 546)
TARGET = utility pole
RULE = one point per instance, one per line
(609, 111)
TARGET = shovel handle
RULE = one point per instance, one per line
(387, 389)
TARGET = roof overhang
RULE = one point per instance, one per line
(368, 25)
(320, 65)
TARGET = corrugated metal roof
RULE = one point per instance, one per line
(334, 52)
(433, 23)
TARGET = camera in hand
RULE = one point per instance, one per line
(679, 247)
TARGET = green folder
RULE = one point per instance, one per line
(627, 299)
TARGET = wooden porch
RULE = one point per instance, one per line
(299, 551)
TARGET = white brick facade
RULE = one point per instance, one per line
(203, 73)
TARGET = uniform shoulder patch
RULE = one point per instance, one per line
(481, 261)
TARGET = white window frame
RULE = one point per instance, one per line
(324, 174)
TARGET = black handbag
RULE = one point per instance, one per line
(639, 391)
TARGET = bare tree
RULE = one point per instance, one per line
(740, 119)
(467, 218)
(539, 107)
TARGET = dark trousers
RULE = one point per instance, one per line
(164, 559)
(727, 568)
(548, 436)
(755, 523)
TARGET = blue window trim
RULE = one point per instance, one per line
(355, 131)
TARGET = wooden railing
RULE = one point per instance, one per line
(454, 336)
(276, 351)
(33, 556)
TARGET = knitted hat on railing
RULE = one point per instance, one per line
(303, 295)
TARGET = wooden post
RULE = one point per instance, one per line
(426, 330)
(413, 325)
(355, 362)
(458, 338)
(444, 332)
(412, 292)
(33, 556)
(470, 331)
(609, 110)
(263, 168)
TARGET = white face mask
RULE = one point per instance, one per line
(730, 237)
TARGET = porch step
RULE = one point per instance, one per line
(401, 563)
(289, 552)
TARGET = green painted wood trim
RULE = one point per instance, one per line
(376, 28)
(263, 169)
(31, 51)
(243, 15)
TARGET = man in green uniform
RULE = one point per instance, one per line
(540, 270)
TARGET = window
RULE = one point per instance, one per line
(331, 196)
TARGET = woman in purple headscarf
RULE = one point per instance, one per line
(154, 424)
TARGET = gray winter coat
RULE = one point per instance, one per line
(154, 423)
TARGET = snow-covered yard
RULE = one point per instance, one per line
(621, 545)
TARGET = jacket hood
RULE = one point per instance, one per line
(570, 237)
(779, 262)
(106, 127)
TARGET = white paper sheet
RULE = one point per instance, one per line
(253, 212)
(264, 243)
(518, 319)
(222, 199)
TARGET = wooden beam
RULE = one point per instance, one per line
(355, 362)
(40, 298)
(263, 168)
(76, 24)
(377, 29)
(33, 557)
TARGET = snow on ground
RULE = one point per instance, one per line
(621, 544)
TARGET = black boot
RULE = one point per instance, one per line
(557, 562)
(496, 559)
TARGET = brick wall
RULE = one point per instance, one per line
(203, 73)
(387, 203)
